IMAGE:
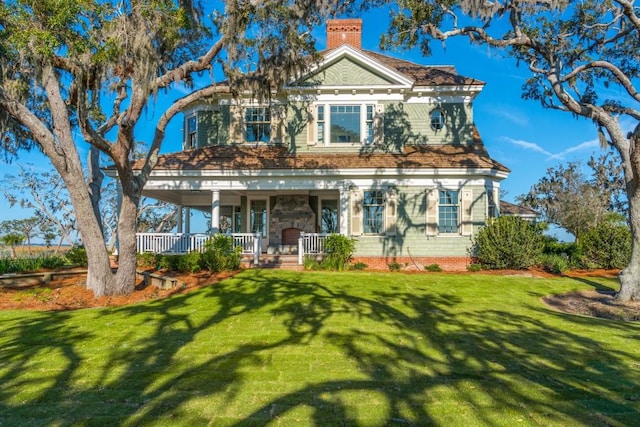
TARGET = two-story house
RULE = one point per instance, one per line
(366, 145)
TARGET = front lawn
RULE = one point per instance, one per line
(314, 348)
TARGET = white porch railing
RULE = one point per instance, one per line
(310, 244)
(170, 242)
(250, 243)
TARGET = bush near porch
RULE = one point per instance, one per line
(218, 255)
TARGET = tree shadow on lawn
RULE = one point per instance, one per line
(412, 357)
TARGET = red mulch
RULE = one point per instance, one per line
(71, 293)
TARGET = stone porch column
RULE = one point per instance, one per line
(215, 211)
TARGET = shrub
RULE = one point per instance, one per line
(433, 268)
(339, 250)
(168, 262)
(508, 242)
(77, 255)
(474, 267)
(569, 250)
(554, 263)
(25, 264)
(148, 260)
(219, 254)
(358, 266)
(607, 245)
(394, 266)
(310, 263)
(189, 262)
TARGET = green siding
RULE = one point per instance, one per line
(213, 128)
(346, 73)
(411, 238)
(411, 124)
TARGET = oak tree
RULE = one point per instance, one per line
(79, 75)
(576, 52)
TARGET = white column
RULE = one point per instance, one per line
(344, 210)
(215, 211)
(179, 220)
(187, 220)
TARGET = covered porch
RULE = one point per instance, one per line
(251, 244)
(278, 217)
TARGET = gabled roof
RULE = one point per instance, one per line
(419, 75)
(423, 75)
(252, 157)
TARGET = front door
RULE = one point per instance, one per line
(258, 219)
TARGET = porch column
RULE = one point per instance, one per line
(179, 219)
(344, 210)
(215, 211)
(187, 220)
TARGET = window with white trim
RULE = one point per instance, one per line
(257, 124)
(373, 212)
(345, 123)
(437, 119)
(320, 124)
(191, 132)
(448, 211)
(369, 123)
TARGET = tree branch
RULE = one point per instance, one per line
(615, 71)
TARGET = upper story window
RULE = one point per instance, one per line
(437, 119)
(369, 123)
(345, 124)
(257, 124)
(448, 206)
(191, 135)
(320, 124)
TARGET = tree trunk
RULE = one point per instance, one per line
(127, 250)
(630, 276)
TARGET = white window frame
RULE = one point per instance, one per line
(382, 214)
(246, 122)
(458, 207)
(191, 135)
(437, 119)
(323, 123)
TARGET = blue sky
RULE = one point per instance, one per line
(520, 134)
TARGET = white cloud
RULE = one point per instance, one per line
(587, 145)
(532, 146)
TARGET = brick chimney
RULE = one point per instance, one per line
(344, 31)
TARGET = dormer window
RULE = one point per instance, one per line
(191, 132)
(437, 120)
(257, 124)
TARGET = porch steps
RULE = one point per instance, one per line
(285, 262)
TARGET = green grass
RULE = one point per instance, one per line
(316, 348)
